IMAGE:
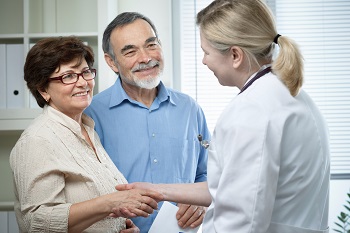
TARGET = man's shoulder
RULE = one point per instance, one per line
(178, 95)
(102, 99)
(99, 103)
(103, 94)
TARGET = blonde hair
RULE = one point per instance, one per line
(250, 25)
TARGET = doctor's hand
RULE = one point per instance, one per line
(190, 215)
(132, 203)
(153, 190)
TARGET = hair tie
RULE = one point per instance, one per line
(276, 38)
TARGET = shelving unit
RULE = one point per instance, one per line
(27, 21)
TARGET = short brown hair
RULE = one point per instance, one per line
(47, 55)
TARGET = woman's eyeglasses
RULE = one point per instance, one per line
(74, 77)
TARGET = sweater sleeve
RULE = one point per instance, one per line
(39, 185)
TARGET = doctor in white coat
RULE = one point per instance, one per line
(269, 159)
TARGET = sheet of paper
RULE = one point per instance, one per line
(166, 221)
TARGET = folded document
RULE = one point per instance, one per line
(166, 221)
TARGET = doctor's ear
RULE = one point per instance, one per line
(237, 56)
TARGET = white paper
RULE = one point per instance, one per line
(166, 221)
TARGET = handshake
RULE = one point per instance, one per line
(136, 199)
(141, 199)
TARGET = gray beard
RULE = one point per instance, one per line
(148, 83)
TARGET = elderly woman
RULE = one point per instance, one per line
(64, 179)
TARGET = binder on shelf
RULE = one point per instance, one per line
(32, 100)
(2, 76)
(15, 87)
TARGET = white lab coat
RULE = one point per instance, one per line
(269, 164)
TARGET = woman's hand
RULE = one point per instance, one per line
(149, 188)
(132, 203)
(186, 193)
(187, 215)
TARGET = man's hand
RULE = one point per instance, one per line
(190, 215)
(130, 227)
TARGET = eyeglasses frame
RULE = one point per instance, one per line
(79, 74)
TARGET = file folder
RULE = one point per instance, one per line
(2, 76)
(32, 100)
(15, 85)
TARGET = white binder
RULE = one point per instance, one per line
(15, 84)
(32, 100)
(2, 76)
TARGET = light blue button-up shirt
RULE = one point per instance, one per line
(157, 144)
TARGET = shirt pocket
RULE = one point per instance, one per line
(181, 157)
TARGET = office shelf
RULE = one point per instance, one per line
(27, 21)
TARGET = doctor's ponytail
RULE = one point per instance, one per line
(288, 65)
(250, 25)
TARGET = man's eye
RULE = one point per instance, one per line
(130, 53)
(153, 45)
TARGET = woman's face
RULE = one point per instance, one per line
(220, 64)
(70, 99)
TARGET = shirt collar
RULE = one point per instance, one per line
(119, 95)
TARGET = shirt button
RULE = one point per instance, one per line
(155, 160)
(153, 134)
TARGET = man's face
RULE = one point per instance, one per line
(138, 54)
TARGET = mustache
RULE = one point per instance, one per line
(142, 66)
